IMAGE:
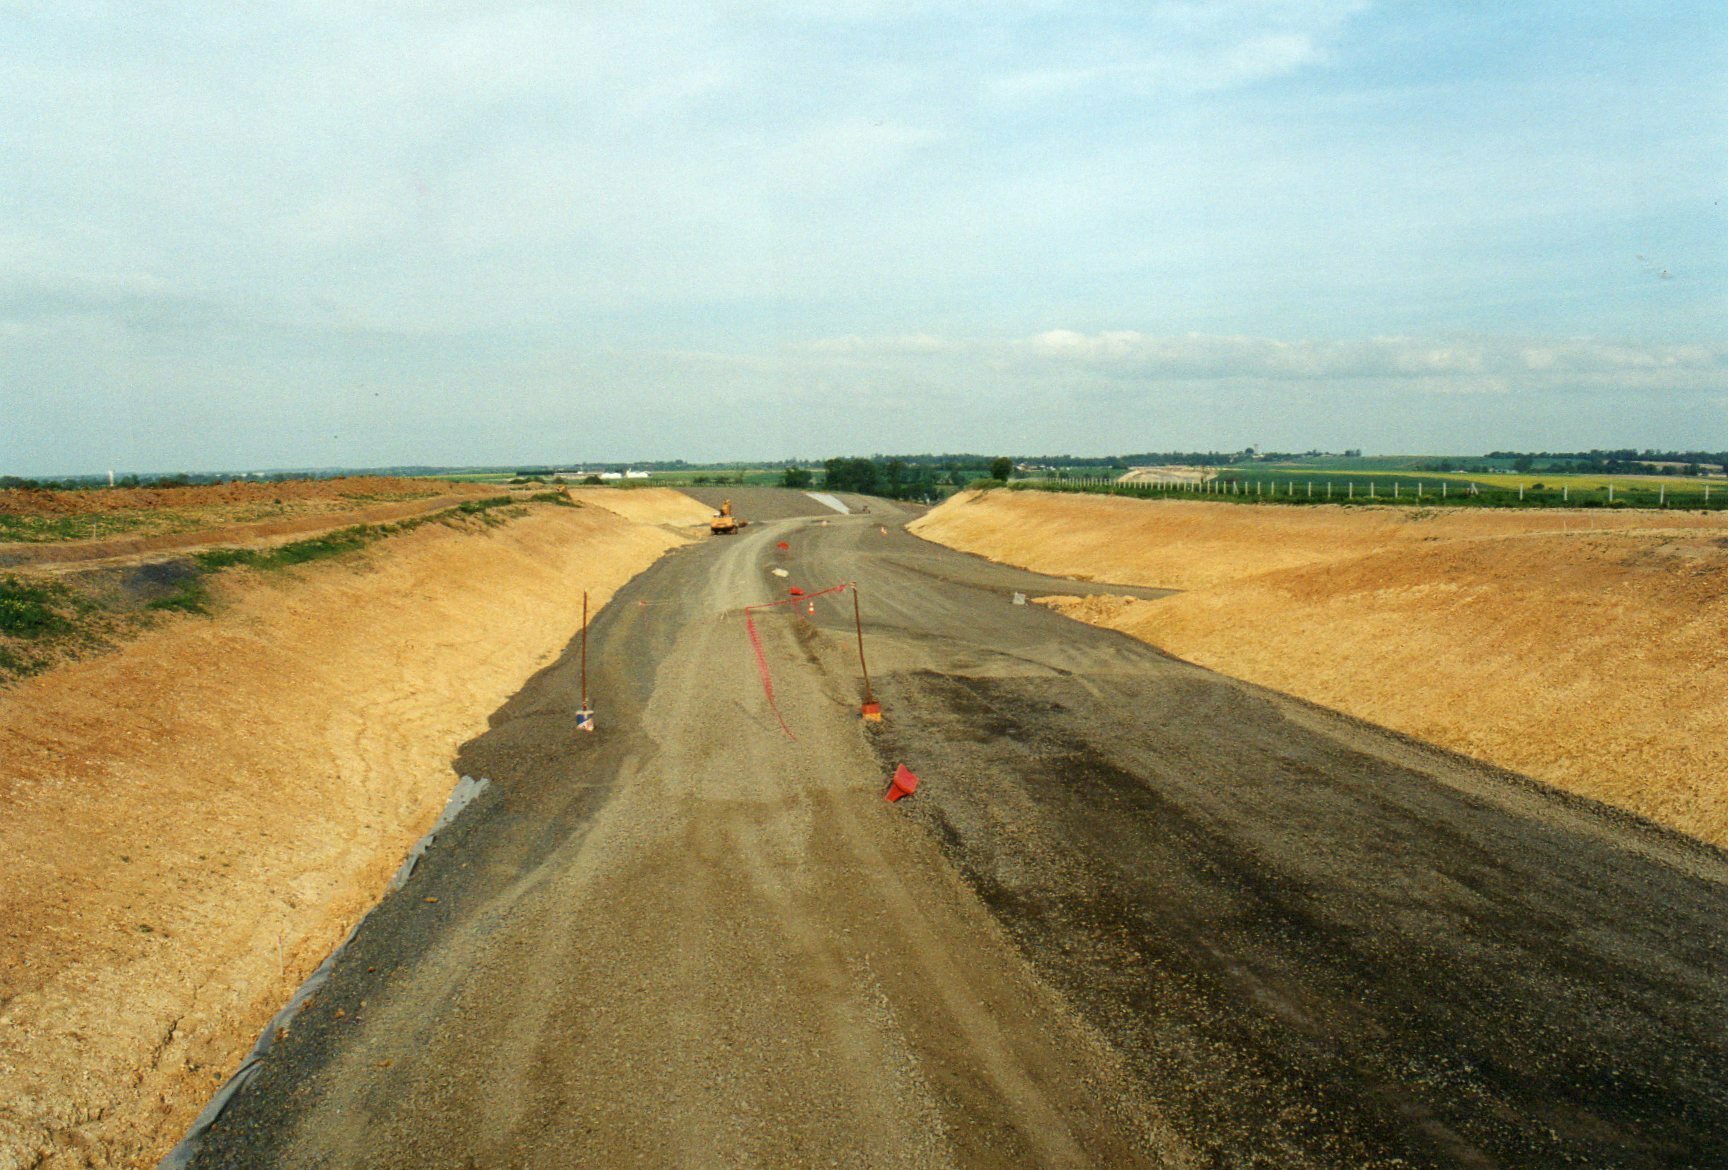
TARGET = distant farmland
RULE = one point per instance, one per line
(1493, 489)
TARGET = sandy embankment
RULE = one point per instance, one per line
(1588, 649)
(191, 822)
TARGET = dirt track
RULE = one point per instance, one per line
(1138, 914)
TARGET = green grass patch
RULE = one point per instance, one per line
(36, 529)
(45, 622)
(217, 559)
(347, 540)
(485, 504)
(35, 609)
(191, 596)
(317, 548)
(299, 552)
(41, 622)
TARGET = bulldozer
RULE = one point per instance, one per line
(724, 522)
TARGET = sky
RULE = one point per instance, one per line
(320, 234)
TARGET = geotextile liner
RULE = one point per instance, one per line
(181, 1156)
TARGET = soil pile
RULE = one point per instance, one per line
(1586, 649)
(646, 505)
(193, 821)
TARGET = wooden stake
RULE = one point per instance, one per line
(858, 624)
(584, 648)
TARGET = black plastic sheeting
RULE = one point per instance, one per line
(180, 1157)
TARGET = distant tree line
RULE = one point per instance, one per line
(915, 478)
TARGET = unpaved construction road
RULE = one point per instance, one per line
(1137, 914)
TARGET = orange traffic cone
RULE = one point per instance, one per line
(904, 783)
(812, 609)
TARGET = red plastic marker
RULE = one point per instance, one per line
(904, 783)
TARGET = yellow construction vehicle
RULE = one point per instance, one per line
(724, 522)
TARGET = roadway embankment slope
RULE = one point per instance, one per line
(193, 820)
(1587, 649)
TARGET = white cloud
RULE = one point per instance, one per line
(1182, 47)
(1132, 354)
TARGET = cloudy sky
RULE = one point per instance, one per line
(465, 233)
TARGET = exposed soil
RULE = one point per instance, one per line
(192, 821)
(1138, 913)
(36, 516)
(1587, 649)
(646, 505)
(202, 528)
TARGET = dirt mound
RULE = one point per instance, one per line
(646, 505)
(192, 821)
(761, 504)
(1589, 650)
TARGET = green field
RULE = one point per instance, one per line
(1288, 485)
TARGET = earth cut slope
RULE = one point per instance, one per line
(193, 820)
(1586, 649)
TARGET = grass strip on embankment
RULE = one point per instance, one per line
(194, 819)
(44, 622)
(1586, 649)
(32, 515)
